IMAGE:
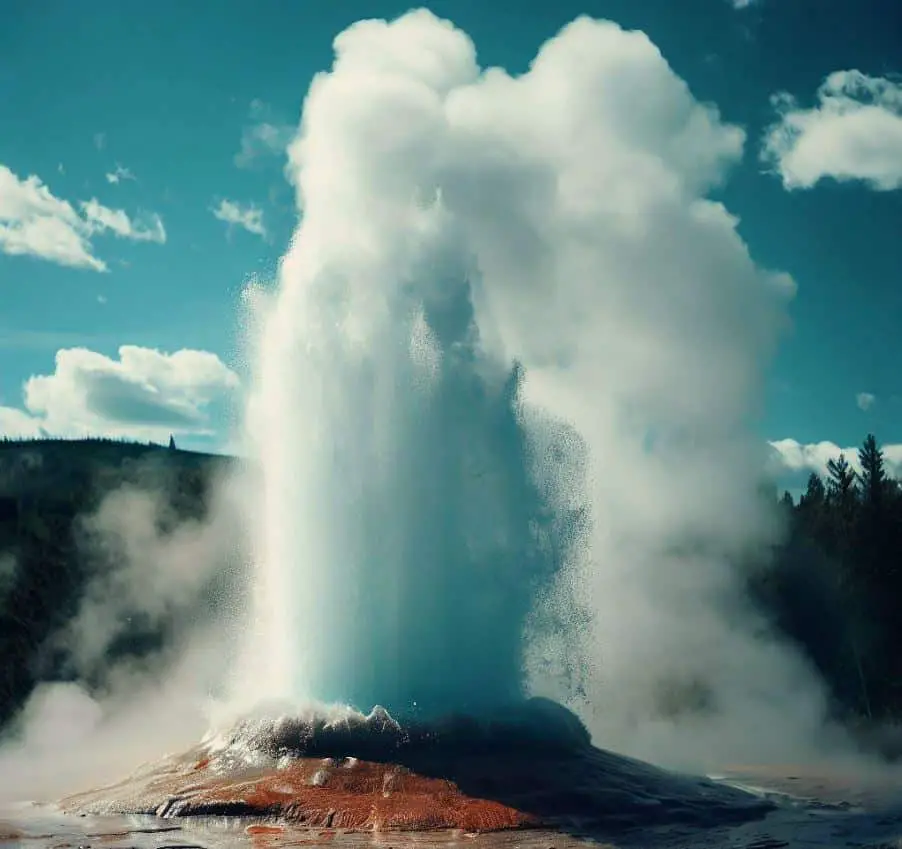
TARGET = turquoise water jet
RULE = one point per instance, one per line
(405, 538)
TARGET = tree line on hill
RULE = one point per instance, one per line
(835, 585)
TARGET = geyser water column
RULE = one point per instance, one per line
(403, 539)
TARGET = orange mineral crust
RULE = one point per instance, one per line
(318, 793)
(535, 767)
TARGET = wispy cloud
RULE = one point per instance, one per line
(865, 400)
(34, 222)
(263, 136)
(118, 174)
(248, 217)
(854, 132)
(149, 228)
(100, 140)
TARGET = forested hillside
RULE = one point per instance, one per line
(836, 584)
(48, 553)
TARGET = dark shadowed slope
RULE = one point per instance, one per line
(47, 557)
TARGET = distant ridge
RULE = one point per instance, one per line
(128, 447)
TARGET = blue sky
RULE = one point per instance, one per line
(142, 186)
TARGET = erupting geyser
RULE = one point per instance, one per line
(511, 351)
(506, 371)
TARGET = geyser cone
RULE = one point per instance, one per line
(529, 767)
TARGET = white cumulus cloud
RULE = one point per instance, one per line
(854, 132)
(248, 217)
(144, 394)
(34, 222)
(17, 424)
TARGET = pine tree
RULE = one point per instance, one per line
(840, 514)
(842, 487)
(812, 509)
(815, 493)
(874, 483)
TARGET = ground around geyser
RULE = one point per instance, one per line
(531, 782)
(794, 823)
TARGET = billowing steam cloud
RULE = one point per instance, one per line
(456, 221)
(161, 570)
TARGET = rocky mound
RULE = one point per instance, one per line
(532, 767)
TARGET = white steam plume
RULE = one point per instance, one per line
(161, 566)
